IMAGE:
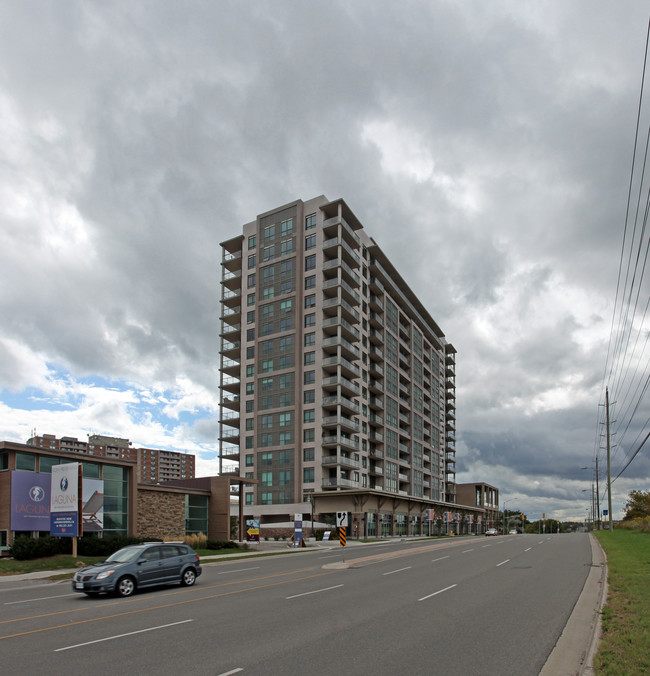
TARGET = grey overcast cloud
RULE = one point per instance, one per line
(487, 147)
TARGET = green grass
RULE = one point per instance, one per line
(11, 567)
(625, 644)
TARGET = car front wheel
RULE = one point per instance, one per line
(125, 586)
(188, 578)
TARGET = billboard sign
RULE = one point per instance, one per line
(64, 500)
(92, 512)
(30, 501)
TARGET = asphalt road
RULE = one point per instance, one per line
(465, 606)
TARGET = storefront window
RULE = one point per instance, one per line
(25, 462)
(196, 514)
(116, 504)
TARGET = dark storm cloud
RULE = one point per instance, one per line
(495, 138)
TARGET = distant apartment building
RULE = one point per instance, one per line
(337, 385)
(481, 495)
(154, 465)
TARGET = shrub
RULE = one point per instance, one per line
(220, 544)
(25, 548)
(196, 540)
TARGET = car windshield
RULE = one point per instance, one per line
(125, 555)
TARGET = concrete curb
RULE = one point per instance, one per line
(576, 648)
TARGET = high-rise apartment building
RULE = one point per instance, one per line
(338, 387)
(154, 465)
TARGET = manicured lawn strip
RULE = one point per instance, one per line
(11, 567)
(625, 645)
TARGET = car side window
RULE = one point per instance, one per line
(170, 551)
(152, 554)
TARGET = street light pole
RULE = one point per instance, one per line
(504, 513)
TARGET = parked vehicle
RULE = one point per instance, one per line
(491, 531)
(512, 532)
(139, 566)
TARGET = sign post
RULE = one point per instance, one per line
(341, 524)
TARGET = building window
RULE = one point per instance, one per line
(286, 247)
(267, 384)
(308, 475)
(285, 477)
(284, 381)
(285, 362)
(269, 232)
(310, 320)
(310, 242)
(310, 358)
(266, 440)
(286, 286)
(249, 444)
(252, 241)
(309, 416)
(250, 370)
(267, 498)
(286, 343)
(268, 252)
(268, 274)
(310, 282)
(250, 352)
(249, 424)
(286, 227)
(309, 396)
(310, 339)
(309, 436)
(310, 301)
(267, 365)
(251, 280)
(285, 438)
(310, 262)
(308, 454)
(268, 292)
(267, 347)
(310, 221)
(250, 388)
(286, 324)
(250, 405)
(250, 317)
(249, 498)
(267, 478)
(267, 422)
(250, 334)
(251, 261)
(284, 400)
(286, 306)
(310, 377)
(250, 299)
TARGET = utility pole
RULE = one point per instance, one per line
(597, 497)
(609, 469)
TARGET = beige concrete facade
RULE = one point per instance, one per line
(336, 381)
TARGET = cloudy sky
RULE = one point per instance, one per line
(496, 137)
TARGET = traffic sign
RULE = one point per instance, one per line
(341, 519)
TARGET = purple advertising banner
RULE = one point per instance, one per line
(30, 501)
(64, 524)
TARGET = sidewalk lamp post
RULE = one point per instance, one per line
(504, 513)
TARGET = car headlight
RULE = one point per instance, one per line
(104, 574)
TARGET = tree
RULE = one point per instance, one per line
(637, 505)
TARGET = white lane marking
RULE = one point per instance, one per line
(316, 591)
(335, 556)
(467, 550)
(240, 570)
(527, 550)
(424, 598)
(484, 546)
(110, 638)
(399, 570)
(42, 598)
(502, 562)
(540, 542)
(232, 671)
(440, 559)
